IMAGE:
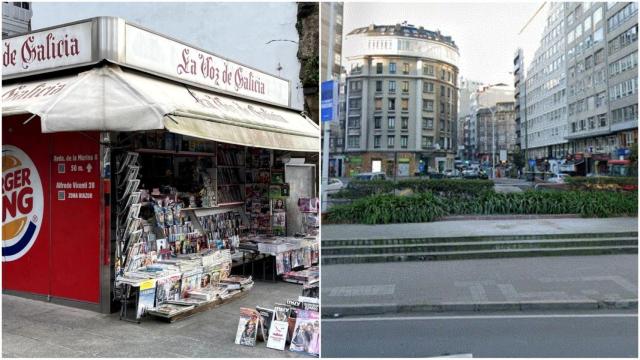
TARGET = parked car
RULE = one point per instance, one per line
(451, 173)
(334, 186)
(470, 174)
(371, 176)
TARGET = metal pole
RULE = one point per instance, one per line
(325, 124)
(493, 143)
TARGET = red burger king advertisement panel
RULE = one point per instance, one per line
(51, 211)
(25, 234)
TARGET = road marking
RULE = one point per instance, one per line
(484, 317)
(365, 290)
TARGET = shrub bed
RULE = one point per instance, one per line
(425, 206)
(604, 183)
(444, 187)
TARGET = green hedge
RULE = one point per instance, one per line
(446, 187)
(425, 207)
(592, 182)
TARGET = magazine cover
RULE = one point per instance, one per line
(306, 334)
(147, 296)
(266, 315)
(247, 327)
(190, 281)
(278, 334)
(281, 312)
(168, 288)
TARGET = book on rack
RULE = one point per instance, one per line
(247, 327)
(306, 333)
(266, 316)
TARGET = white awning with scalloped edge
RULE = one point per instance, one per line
(110, 98)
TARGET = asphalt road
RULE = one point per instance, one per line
(520, 334)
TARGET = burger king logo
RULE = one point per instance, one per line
(22, 203)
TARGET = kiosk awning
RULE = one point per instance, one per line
(110, 98)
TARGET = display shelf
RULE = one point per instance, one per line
(173, 152)
(233, 203)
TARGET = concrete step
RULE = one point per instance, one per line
(478, 254)
(429, 240)
(475, 245)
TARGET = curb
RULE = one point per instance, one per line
(331, 311)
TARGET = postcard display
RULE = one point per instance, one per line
(184, 205)
(294, 325)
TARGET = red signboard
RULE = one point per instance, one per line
(51, 186)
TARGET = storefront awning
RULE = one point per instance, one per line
(113, 99)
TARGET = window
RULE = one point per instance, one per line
(354, 122)
(427, 142)
(378, 85)
(599, 57)
(428, 70)
(626, 63)
(587, 24)
(353, 141)
(391, 122)
(378, 68)
(582, 125)
(377, 120)
(404, 104)
(592, 122)
(378, 104)
(404, 141)
(392, 68)
(601, 99)
(405, 123)
(427, 123)
(578, 31)
(442, 125)
(598, 35)
(355, 85)
(597, 15)
(355, 104)
(405, 68)
(392, 86)
(391, 139)
(405, 86)
(427, 105)
(627, 113)
(623, 40)
(588, 62)
(376, 141)
(442, 74)
(448, 92)
(392, 104)
(573, 127)
(622, 15)
(441, 90)
(623, 89)
(427, 87)
(602, 120)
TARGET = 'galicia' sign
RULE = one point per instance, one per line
(69, 45)
(149, 51)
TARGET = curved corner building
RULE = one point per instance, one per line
(401, 100)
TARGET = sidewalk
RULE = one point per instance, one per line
(572, 282)
(479, 228)
(33, 328)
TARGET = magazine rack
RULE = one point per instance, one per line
(128, 297)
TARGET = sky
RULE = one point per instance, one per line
(237, 31)
(487, 34)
